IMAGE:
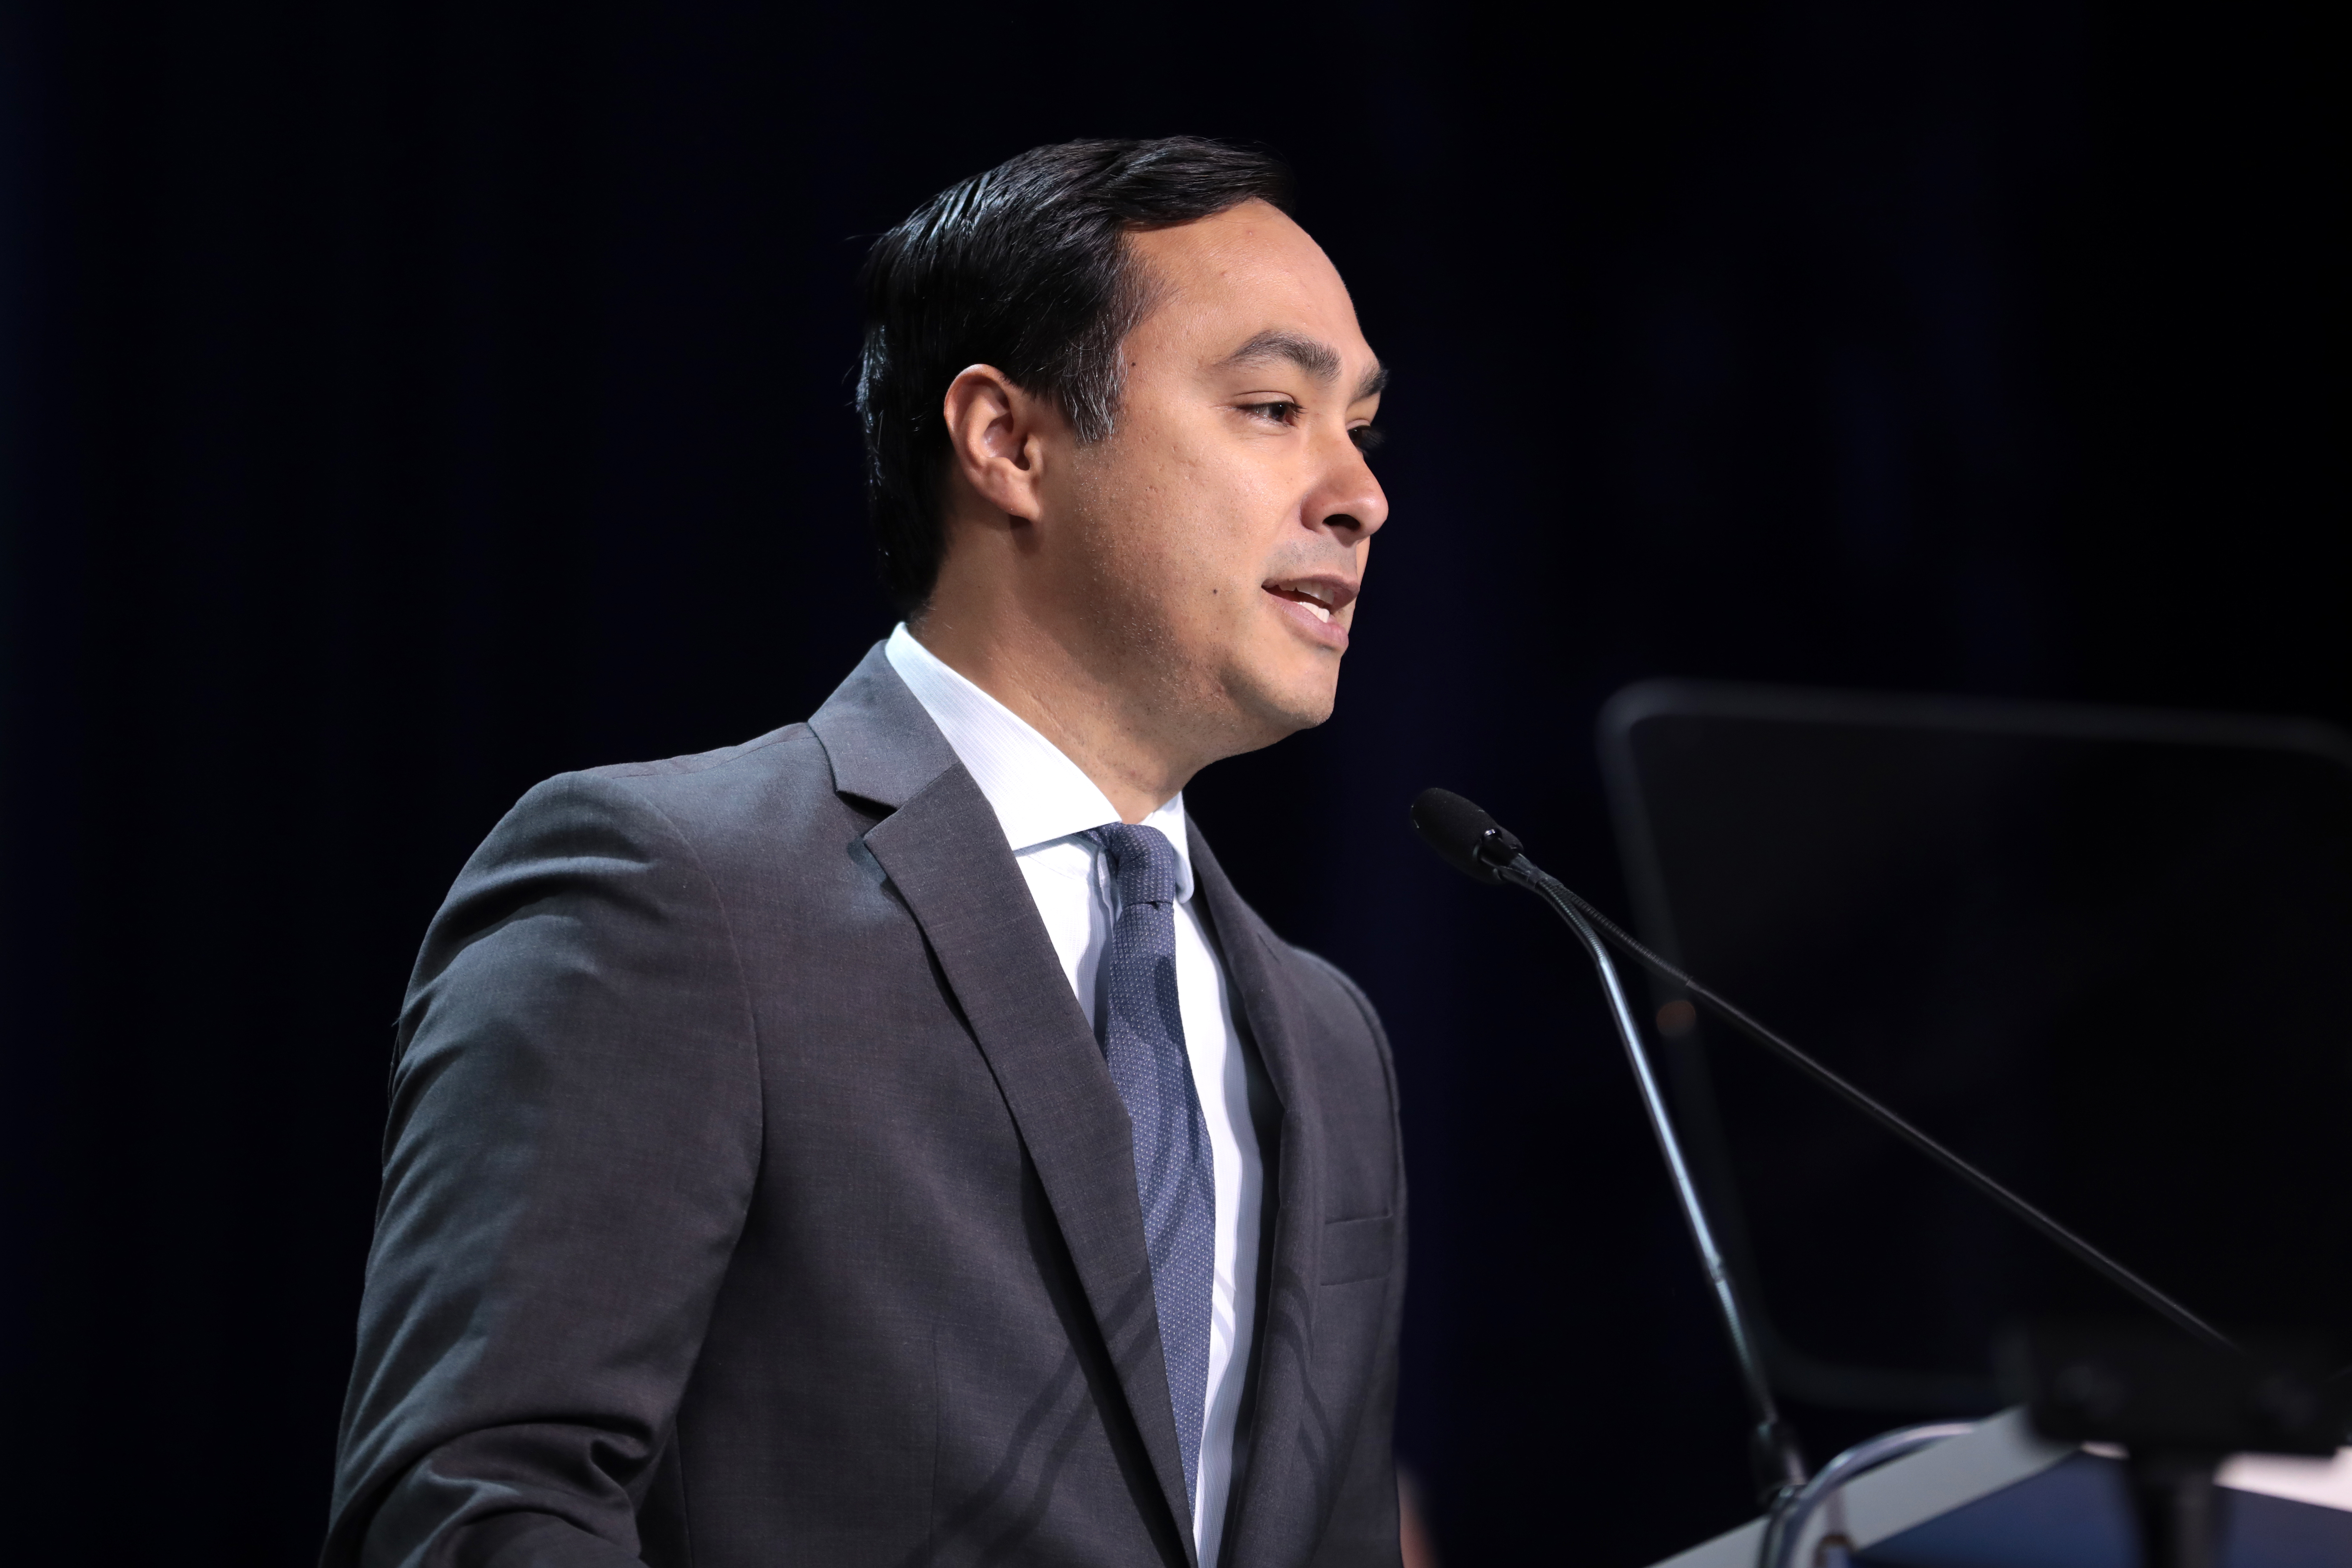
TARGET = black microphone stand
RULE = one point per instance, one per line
(1476, 845)
(1772, 1452)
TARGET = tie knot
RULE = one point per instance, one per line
(1142, 862)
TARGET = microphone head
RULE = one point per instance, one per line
(1471, 842)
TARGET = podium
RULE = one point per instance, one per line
(2002, 1497)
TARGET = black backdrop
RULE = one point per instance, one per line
(401, 404)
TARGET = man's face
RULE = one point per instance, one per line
(1222, 529)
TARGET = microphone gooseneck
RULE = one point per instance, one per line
(1481, 849)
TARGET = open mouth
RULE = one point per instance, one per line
(1318, 599)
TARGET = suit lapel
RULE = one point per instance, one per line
(1273, 1519)
(944, 850)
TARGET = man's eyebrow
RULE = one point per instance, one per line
(1317, 359)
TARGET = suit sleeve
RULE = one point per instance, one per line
(1363, 1527)
(574, 1139)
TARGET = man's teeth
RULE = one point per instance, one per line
(1305, 598)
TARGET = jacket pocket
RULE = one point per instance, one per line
(1357, 1249)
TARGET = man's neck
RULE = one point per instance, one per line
(1092, 722)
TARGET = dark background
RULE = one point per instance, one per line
(399, 404)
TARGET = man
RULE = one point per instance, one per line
(892, 1141)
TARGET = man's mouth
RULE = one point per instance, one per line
(1319, 598)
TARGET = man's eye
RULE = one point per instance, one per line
(1282, 413)
(1366, 438)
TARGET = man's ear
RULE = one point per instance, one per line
(996, 438)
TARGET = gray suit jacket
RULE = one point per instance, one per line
(755, 1193)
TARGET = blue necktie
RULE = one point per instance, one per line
(1142, 1034)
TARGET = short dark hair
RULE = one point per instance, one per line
(1024, 268)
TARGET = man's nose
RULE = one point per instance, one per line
(1353, 503)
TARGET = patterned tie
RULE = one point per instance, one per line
(1143, 1040)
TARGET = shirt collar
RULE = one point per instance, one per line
(1039, 795)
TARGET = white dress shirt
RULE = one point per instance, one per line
(1045, 803)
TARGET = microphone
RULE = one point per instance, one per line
(1471, 842)
(1477, 845)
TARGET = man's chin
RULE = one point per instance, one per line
(1273, 708)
